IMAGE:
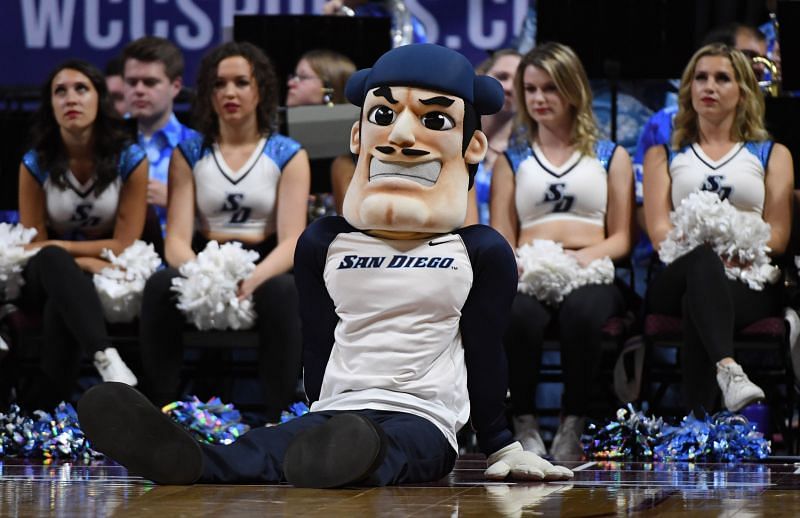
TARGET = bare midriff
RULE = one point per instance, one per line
(573, 235)
(222, 237)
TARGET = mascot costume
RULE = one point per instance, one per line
(403, 312)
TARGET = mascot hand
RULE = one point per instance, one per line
(522, 465)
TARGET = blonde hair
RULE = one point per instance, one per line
(569, 76)
(748, 125)
(333, 69)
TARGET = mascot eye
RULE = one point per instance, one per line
(437, 121)
(382, 115)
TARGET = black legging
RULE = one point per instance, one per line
(278, 327)
(72, 321)
(712, 308)
(580, 318)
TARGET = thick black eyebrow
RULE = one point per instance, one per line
(439, 99)
(386, 93)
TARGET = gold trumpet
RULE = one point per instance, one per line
(772, 85)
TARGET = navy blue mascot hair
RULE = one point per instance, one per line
(437, 68)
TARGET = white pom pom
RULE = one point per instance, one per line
(208, 288)
(13, 258)
(120, 287)
(703, 218)
(549, 274)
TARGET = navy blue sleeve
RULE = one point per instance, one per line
(317, 312)
(484, 319)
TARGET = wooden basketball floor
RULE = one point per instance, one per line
(771, 488)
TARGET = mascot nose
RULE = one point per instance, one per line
(403, 131)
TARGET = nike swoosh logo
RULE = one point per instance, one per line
(437, 243)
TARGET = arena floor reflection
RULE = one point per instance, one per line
(34, 488)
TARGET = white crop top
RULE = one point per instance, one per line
(77, 212)
(577, 190)
(738, 176)
(239, 203)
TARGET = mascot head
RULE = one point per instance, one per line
(418, 140)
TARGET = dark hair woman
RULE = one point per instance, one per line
(83, 188)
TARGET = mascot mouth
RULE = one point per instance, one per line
(424, 173)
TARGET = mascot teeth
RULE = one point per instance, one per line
(425, 173)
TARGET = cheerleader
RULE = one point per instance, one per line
(567, 186)
(719, 144)
(83, 187)
(241, 181)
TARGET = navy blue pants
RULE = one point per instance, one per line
(416, 451)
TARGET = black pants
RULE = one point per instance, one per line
(712, 308)
(72, 322)
(278, 327)
(416, 451)
(579, 319)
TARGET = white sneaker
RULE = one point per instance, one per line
(111, 367)
(4, 347)
(526, 431)
(737, 390)
(567, 441)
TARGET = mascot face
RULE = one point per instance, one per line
(411, 175)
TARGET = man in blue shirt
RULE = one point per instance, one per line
(152, 72)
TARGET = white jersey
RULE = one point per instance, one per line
(79, 211)
(239, 203)
(408, 326)
(738, 176)
(577, 190)
(416, 358)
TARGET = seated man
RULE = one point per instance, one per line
(403, 311)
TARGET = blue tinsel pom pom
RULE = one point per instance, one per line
(723, 437)
(59, 436)
(295, 411)
(56, 436)
(213, 422)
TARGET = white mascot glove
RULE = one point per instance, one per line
(522, 465)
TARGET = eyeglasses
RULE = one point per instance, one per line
(301, 77)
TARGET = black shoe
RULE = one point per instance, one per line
(122, 423)
(345, 450)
